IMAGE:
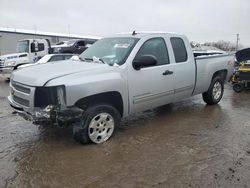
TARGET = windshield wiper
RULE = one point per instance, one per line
(81, 58)
(94, 59)
(99, 60)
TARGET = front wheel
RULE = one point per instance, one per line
(98, 124)
(215, 91)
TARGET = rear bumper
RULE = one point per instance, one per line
(50, 115)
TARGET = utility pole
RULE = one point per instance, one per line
(237, 41)
(69, 30)
(34, 36)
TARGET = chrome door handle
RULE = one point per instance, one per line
(167, 72)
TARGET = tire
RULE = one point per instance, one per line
(98, 124)
(238, 87)
(215, 91)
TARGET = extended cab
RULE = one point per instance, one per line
(114, 78)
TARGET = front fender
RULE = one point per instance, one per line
(79, 86)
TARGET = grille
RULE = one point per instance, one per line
(1, 63)
(21, 88)
(21, 101)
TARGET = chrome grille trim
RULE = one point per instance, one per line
(21, 101)
(22, 95)
(1, 63)
(21, 88)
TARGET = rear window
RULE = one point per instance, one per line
(40, 47)
(180, 52)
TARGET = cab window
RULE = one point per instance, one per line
(155, 47)
(180, 52)
(40, 47)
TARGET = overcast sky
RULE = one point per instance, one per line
(201, 21)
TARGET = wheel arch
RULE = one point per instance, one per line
(113, 98)
(222, 73)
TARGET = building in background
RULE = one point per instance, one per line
(9, 38)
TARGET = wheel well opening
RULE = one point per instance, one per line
(113, 98)
(222, 74)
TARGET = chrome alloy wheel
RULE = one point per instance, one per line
(101, 128)
(217, 90)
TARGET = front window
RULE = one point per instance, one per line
(23, 46)
(110, 50)
(157, 48)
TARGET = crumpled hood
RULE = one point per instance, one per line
(243, 55)
(40, 74)
(12, 57)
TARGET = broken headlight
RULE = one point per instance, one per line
(61, 96)
(45, 96)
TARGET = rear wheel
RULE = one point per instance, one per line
(215, 91)
(98, 124)
(238, 87)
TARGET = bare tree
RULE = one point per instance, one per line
(223, 45)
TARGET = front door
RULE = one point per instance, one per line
(152, 86)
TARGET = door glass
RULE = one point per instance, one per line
(156, 47)
(180, 52)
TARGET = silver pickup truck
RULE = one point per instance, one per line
(114, 78)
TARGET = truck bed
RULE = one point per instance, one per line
(206, 65)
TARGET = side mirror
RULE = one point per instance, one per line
(34, 47)
(144, 61)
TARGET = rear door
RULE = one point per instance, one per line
(149, 87)
(184, 67)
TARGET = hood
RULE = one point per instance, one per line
(40, 74)
(10, 57)
(243, 55)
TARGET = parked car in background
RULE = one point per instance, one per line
(116, 77)
(73, 46)
(46, 59)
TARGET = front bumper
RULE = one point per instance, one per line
(6, 71)
(50, 115)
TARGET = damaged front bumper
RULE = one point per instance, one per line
(52, 114)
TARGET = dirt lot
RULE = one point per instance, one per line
(186, 144)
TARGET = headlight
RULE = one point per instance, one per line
(54, 95)
(10, 63)
(61, 95)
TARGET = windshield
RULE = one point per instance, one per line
(23, 46)
(110, 50)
